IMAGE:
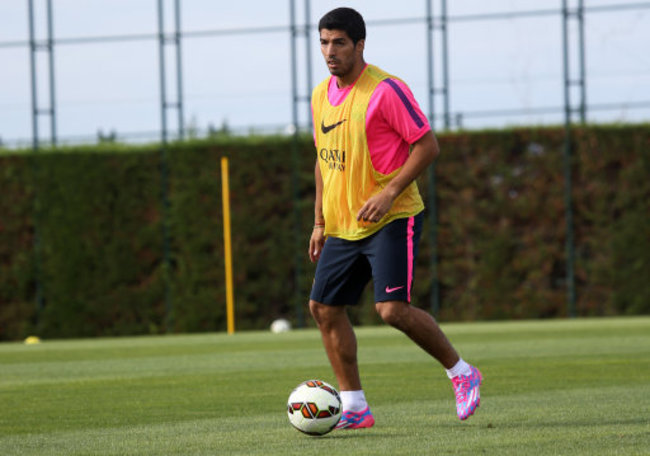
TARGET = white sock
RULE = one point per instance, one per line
(460, 368)
(354, 401)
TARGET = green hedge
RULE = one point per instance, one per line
(86, 224)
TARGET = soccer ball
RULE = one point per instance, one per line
(314, 407)
(280, 325)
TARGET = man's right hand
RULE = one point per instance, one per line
(316, 243)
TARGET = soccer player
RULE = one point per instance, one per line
(372, 142)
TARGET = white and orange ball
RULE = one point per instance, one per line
(314, 407)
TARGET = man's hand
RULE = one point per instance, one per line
(316, 243)
(423, 152)
(376, 207)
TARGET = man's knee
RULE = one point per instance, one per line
(394, 313)
(324, 315)
(316, 310)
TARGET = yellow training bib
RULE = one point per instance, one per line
(349, 178)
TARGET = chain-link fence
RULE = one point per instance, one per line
(166, 70)
(138, 71)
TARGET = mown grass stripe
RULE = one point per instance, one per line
(551, 387)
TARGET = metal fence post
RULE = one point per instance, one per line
(432, 27)
(308, 74)
(36, 112)
(295, 166)
(164, 170)
(568, 146)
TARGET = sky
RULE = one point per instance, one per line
(243, 80)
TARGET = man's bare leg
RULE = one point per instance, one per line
(424, 331)
(420, 327)
(340, 343)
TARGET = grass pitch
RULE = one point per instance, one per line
(550, 387)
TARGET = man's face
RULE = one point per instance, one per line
(339, 51)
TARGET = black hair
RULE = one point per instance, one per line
(346, 19)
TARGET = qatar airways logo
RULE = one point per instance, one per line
(333, 158)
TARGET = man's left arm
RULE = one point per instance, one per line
(423, 153)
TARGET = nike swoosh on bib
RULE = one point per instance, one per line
(327, 128)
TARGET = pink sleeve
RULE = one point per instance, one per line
(396, 104)
(393, 122)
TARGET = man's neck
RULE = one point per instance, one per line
(351, 77)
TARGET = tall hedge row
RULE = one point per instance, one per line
(83, 229)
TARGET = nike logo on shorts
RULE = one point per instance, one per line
(390, 290)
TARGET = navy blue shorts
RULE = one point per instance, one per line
(387, 257)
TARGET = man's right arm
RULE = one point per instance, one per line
(317, 236)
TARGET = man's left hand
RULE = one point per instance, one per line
(376, 207)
